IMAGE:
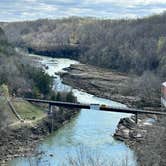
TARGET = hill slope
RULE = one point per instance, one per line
(20, 77)
(19, 72)
(124, 45)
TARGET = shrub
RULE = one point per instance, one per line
(65, 96)
(4, 91)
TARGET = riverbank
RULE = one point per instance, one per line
(99, 82)
(107, 84)
(147, 139)
(22, 141)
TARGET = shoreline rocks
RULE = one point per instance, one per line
(128, 131)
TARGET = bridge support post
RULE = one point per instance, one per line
(136, 118)
(50, 109)
(51, 116)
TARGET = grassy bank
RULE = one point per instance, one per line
(27, 111)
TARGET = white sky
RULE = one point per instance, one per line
(15, 10)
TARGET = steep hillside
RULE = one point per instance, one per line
(19, 77)
(28, 112)
(7, 117)
(19, 73)
(125, 45)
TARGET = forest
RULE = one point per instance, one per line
(128, 45)
(132, 46)
(21, 77)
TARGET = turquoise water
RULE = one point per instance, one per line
(88, 135)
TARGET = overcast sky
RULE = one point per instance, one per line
(15, 10)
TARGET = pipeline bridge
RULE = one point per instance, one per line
(95, 107)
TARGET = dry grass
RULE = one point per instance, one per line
(28, 111)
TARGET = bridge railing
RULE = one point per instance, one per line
(99, 107)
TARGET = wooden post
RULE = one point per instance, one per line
(50, 109)
(51, 116)
(136, 118)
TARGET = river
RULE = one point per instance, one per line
(88, 136)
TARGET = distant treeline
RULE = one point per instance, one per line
(126, 45)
